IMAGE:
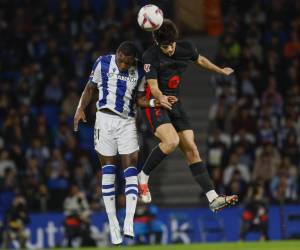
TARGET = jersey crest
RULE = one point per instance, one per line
(147, 67)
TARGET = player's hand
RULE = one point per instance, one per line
(79, 116)
(227, 71)
(172, 99)
(164, 102)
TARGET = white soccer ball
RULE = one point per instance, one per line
(150, 17)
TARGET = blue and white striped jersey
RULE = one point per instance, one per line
(117, 89)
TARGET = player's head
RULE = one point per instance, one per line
(166, 37)
(126, 55)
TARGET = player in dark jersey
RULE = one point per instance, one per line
(164, 64)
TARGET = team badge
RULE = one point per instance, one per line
(173, 82)
(147, 67)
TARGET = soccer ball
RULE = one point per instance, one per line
(150, 17)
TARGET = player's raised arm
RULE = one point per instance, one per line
(83, 102)
(207, 64)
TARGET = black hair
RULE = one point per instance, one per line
(128, 49)
(166, 34)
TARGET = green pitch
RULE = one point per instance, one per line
(271, 245)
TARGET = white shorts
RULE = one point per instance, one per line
(114, 134)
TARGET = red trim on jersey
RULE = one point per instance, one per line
(147, 110)
(157, 112)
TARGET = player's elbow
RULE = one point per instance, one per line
(201, 61)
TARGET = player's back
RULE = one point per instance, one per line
(117, 88)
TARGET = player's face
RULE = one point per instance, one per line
(168, 49)
(124, 62)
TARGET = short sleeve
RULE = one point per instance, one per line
(149, 65)
(194, 54)
(95, 76)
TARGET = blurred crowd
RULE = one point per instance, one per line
(46, 54)
(47, 49)
(254, 140)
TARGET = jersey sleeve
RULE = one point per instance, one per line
(193, 51)
(95, 76)
(150, 66)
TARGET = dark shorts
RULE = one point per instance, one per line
(177, 117)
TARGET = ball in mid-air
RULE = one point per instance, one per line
(150, 17)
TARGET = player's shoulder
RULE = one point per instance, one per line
(105, 58)
(151, 52)
(187, 48)
(185, 44)
(151, 49)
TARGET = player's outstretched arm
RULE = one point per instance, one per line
(207, 64)
(83, 102)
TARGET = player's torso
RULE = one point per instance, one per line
(117, 89)
(171, 69)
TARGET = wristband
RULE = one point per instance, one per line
(152, 103)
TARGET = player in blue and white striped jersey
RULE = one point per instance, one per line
(116, 87)
(118, 79)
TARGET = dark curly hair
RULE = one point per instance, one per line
(166, 34)
(128, 49)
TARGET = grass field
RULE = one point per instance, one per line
(271, 245)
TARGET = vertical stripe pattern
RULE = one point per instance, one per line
(117, 89)
(105, 63)
(120, 93)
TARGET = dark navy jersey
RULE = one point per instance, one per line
(168, 69)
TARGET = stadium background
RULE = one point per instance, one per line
(247, 126)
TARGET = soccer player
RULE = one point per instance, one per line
(118, 78)
(164, 64)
